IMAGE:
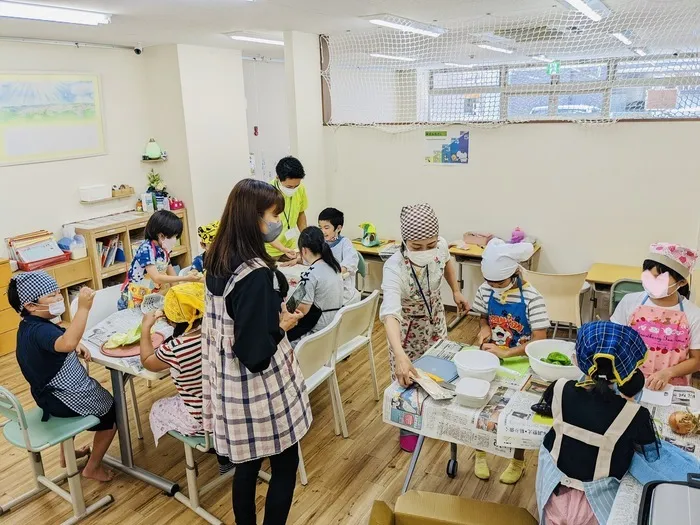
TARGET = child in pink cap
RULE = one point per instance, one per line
(665, 318)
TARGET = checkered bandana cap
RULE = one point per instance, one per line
(419, 222)
(31, 286)
(622, 345)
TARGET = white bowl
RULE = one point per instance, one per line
(538, 350)
(472, 392)
(476, 364)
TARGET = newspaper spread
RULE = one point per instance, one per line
(625, 510)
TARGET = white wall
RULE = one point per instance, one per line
(45, 195)
(590, 194)
(266, 97)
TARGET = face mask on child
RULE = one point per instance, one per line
(55, 309)
(422, 258)
(168, 244)
(288, 192)
(658, 287)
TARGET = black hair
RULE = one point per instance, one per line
(165, 222)
(13, 298)
(661, 268)
(290, 168)
(332, 215)
(282, 283)
(312, 239)
(181, 328)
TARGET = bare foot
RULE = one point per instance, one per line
(100, 473)
(79, 453)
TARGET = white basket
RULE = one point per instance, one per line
(96, 192)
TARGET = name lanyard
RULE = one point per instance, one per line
(428, 304)
(284, 211)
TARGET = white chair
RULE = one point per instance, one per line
(562, 295)
(316, 355)
(103, 305)
(355, 332)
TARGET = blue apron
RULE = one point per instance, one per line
(508, 322)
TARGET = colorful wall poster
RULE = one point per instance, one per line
(446, 147)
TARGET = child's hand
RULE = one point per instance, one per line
(150, 319)
(496, 350)
(291, 253)
(194, 277)
(658, 380)
(484, 335)
(85, 298)
(83, 353)
(289, 321)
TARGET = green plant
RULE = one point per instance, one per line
(156, 184)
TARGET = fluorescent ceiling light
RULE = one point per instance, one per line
(542, 58)
(641, 52)
(391, 57)
(257, 40)
(622, 37)
(583, 7)
(453, 64)
(405, 24)
(52, 14)
(494, 48)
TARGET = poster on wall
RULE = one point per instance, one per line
(46, 117)
(446, 147)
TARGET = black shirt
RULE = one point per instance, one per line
(588, 410)
(255, 307)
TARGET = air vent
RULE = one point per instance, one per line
(530, 34)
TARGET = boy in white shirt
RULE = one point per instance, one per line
(331, 222)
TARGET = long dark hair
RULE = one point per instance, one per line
(661, 268)
(239, 238)
(312, 239)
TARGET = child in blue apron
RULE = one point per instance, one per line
(513, 313)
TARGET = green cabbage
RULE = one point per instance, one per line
(557, 358)
(129, 338)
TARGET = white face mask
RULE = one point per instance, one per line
(499, 291)
(168, 244)
(288, 192)
(422, 258)
(55, 309)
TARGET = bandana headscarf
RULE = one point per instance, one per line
(419, 222)
(184, 303)
(31, 286)
(501, 260)
(620, 344)
(678, 258)
(207, 232)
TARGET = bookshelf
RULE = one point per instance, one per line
(127, 229)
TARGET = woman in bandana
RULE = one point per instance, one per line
(412, 310)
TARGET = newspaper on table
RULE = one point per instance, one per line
(519, 426)
(625, 509)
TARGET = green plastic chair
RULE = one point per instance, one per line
(26, 430)
(621, 288)
(361, 272)
(191, 500)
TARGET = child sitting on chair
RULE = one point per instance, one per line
(48, 358)
(331, 222)
(182, 354)
(206, 235)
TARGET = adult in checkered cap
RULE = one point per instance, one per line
(663, 315)
(412, 309)
(48, 357)
(597, 427)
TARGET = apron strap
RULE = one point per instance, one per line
(611, 437)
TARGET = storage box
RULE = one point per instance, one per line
(95, 193)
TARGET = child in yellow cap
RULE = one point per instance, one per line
(206, 236)
(182, 354)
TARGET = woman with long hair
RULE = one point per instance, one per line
(254, 398)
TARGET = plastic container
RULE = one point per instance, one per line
(476, 364)
(472, 392)
(538, 350)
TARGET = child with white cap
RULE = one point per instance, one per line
(663, 316)
(513, 313)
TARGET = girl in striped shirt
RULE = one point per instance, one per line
(182, 354)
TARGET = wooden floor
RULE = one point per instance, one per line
(345, 475)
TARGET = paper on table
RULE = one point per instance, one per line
(662, 397)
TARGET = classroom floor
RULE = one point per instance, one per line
(345, 475)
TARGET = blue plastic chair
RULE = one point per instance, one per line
(26, 430)
(621, 288)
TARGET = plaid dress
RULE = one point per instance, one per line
(251, 415)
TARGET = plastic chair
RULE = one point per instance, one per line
(562, 293)
(361, 273)
(355, 332)
(103, 305)
(26, 430)
(316, 355)
(621, 288)
(201, 444)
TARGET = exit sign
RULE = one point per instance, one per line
(553, 68)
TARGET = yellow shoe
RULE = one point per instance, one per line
(515, 471)
(481, 468)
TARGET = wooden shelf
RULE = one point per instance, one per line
(109, 199)
(113, 270)
(178, 250)
(149, 161)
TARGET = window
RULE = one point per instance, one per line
(474, 107)
(580, 104)
(528, 76)
(583, 73)
(525, 105)
(458, 79)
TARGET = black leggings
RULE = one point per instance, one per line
(279, 494)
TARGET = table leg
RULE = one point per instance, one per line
(460, 281)
(412, 465)
(126, 463)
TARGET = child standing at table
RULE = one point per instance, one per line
(151, 267)
(182, 354)
(664, 317)
(206, 236)
(48, 358)
(331, 222)
(513, 313)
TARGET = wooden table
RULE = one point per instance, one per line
(602, 276)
